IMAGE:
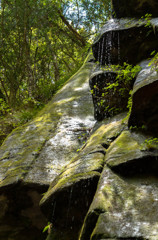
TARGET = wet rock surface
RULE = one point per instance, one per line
(130, 154)
(91, 180)
(125, 203)
(111, 44)
(77, 184)
(33, 155)
(123, 207)
(53, 137)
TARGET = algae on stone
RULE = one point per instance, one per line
(123, 210)
(90, 158)
(129, 151)
(48, 143)
(34, 154)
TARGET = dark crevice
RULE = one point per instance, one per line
(20, 202)
(105, 145)
(98, 151)
(91, 221)
(137, 167)
(144, 110)
(67, 208)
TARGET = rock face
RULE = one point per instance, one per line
(110, 49)
(122, 209)
(76, 185)
(134, 8)
(145, 94)
(92, 180)
(125, 40)
(33, 155)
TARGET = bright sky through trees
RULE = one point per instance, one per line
(43, 42)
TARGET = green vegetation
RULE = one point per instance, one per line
(42, 43)
(118, 87)
(151, 143)
(47, 228)
(154, 61)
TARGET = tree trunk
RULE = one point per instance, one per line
(73, 30)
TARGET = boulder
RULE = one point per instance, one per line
(125, 40)
(125, 203)
(122, 210)
(144, 110)
(75, 187)
(131, 154)
(33, 155)
(134, 8)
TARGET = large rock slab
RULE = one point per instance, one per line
(74, 188)
(144, 110)
(134, 8)
(125, 203)
(130, 153)
(110, 47)
(34, 154)
(122, 210)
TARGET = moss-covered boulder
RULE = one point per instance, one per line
(75, 187)
(122, 208)
(125, 203)
(125, 40)
(144, 110)
(133, 153)
(134, 8)
(34, 154)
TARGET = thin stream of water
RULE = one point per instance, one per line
(69, 205)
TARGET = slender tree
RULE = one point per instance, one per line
(42, 42)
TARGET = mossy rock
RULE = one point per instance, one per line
(78, 181)
(144, 110)
(36, 153)
(131, 154)
(52, 138)
(121, 210)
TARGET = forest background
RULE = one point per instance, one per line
(42, 43)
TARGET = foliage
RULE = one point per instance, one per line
(117, 88)
(47, 228)
(42, 43)
(150, 144)
(147, 18)
(4, 108)
(154, 61)
(151, 140)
